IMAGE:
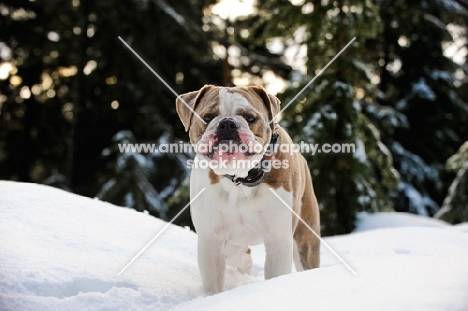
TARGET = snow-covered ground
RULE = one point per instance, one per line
(60, 251)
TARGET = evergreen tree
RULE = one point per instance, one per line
(69, 85)
(417, 80)
(454, 208)
(33, 103)
(70, 92)
(331, 109)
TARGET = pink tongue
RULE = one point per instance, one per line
(229, 156)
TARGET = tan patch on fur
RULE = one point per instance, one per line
(267, 105)
(214, 179)
(270, 104)
(281, 177)
(191, 99)
(308, 244)
(210, 105)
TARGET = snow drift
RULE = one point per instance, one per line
(60, 251)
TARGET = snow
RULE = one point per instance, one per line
(418, 203)
(413, 167)
(360, 153)
(370, 221)
(422, 90)
(60, 251)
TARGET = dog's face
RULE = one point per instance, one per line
(237, 125)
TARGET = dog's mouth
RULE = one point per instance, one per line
(229, 149)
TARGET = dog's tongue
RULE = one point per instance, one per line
(229, 156)
(228, 150)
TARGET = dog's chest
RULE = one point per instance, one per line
(242, 214)
(237, 213)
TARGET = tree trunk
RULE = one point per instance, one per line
(77, 170)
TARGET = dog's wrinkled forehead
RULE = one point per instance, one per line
(231, 102)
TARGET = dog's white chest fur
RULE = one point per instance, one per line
(238, 213)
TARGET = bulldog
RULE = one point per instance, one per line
(237, 162)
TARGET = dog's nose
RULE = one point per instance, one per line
(227, 126)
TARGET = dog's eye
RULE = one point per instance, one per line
(249, 118)
(208, 117)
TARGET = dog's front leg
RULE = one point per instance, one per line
(212, 263)
(279, 256)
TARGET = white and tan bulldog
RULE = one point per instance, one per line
(237, 209)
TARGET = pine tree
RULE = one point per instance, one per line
(417, 80)
(73, 86)
(32, 101)
(454, 208)
(331, 109)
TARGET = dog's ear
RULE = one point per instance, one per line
(187, 103)
(271, 102)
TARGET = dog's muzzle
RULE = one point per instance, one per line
(227, 130)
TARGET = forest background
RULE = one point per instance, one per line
(70, 92)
